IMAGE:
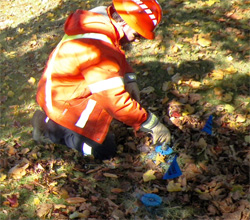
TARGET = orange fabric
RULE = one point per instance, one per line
(81, 62)
(143, 16)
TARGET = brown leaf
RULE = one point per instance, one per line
(191, 171)
(131, 145)
(212, 210)
(118, 214)
(3, 99)
(44, 210)
(75, 200)
(11, 150)
(227, 97)
(218, 91)
(202, 143)
(117, 190)
(193, 98)
(18, 171)
(84, 215)
(110, 175)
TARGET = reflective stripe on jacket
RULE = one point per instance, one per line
(82, 86)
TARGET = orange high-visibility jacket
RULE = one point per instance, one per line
(82, 86)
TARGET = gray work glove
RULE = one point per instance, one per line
(131, 86)
(160, 133)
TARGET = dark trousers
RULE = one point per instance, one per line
(61, 135)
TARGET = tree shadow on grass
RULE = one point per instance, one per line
(18, 69)
(226, 25)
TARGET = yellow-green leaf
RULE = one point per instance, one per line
(174, 187)
(149, 175)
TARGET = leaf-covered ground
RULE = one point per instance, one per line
(197, 66)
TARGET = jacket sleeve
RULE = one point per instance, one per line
(120, 106)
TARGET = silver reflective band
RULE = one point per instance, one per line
(95, 36)
(129, 77)
(151, 122)
(106, 84)
(86, 149)
(85, 114)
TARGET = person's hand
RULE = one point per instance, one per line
(131, 86)
(160, 133)
(133, 90)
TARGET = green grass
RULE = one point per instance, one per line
(29, 32)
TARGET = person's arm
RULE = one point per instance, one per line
(131, 86)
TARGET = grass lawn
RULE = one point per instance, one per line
(197, 66)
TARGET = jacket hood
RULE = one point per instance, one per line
(82, 21)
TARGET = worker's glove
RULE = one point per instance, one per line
(131, 86)
(159, 132)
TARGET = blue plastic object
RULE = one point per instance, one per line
(173, 171)
(151, 200)
(208, 126)
(161, 149)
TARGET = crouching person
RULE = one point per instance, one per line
(87, 81)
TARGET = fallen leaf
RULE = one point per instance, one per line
(18, 171)
(36, 201)
(149, 175)
(202, 143)
(63, 193)
(188, 110)
(61, 175)
(32, 81)
(2, 177)
(176, 78)
(193, 98)
(229, 108)
(170, 70)
(211, 2)
(195, 84)
(117, 190)
(59, 206)
(230, 70)
(167, 86)
(204, 41)
(75, 200)
(247, 138)
(148, 90)
(25, 150)
(11, 151)
(43, 210)
(10, 94)
(110, 175)
(217, 74)
(240, 118)
(218, 91)
(12, 200)
(227, 97)
(85, 214)
(174, 187)
(74, 215)
(160, 159)
(165, 100)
